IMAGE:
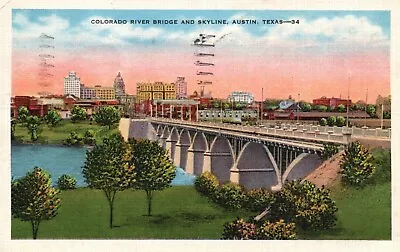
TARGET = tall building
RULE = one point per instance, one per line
(87, 92)
(241, 97)
(181, 88)
(155, 91)
(119, 85)
(106, 93)
(72, 85)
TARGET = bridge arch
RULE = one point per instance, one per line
(159, 130)
(301, 166)
(164, 136)
(255, 167)
(221, 158)
(181, 149)
(171, 142)
(196, 154)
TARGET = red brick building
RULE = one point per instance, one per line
(331, 102)
(31, 103)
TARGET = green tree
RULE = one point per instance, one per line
(357, 165)
(154, 169)
(107, 116)
(53, 118)
(73, 139)
(66, 182)
(13, 123)
(23, 113)
(331, 121)
(226, 105)
(323, 122)
(33, 199)
(216, 104)
(305, 107)
(89, 138)
(341, 108)
(371, 110)
(78, 114)
(387, 114)
(340, 121)
(32, 123)
(108, 168)
(321, 108)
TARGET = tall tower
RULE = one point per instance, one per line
(72, 85)
(181, 88)
(119, 85)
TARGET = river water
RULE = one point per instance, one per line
(59, 160)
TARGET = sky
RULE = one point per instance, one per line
(327, 53)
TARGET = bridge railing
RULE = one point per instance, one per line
(300, 133)
(355, 131)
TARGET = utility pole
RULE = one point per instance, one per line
(298, 105)
(382, 116)
(348, 97)
(366, 103)
(262, 105)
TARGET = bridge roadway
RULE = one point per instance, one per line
(256, 133)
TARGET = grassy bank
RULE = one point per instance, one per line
(57, 134)
(178, 213)
(181, 213)
(364, 214)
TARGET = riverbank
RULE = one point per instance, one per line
(57, 135)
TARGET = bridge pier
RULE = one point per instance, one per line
(195, 161)
(170, 146)
(181, 154)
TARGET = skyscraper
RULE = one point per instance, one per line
(181, 88)
(119, 85)
(72, 85)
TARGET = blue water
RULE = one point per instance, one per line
(59, 160)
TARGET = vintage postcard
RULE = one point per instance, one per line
(197, 124)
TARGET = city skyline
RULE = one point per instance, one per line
(321, 56)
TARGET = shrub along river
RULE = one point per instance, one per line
(59, 160)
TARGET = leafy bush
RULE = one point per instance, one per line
(231, 196)
(73, 139)
(341, 108)
(305, 204)
(242, 230)
(323, 122)
(356, 165)
(207, 184)
(276, 231)
(340, 121)
(89, 138)
(66, 182)
(258, 199)
(331, 121)
(322, 108)
(239, 230)
(330, 149)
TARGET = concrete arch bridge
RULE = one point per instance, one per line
(249, 158)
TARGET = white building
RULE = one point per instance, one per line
(241, 97)
(119, 85)
(181, 88)
(87, 92)
(72, 85)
